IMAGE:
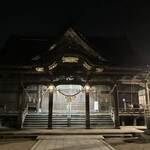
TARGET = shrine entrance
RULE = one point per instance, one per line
(69, 99)
(69, 106)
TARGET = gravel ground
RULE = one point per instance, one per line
(16, 144)
(129, 143)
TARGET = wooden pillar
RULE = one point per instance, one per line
(50, 109)
(147, 93)
(20, 108)
(38, 99)
(41, 100)
(87, 109)
(116, 108)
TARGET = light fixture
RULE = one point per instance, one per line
(51, 87)
(87, 87)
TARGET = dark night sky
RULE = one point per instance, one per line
(130, 18)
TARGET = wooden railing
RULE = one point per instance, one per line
(128, 111)
(131, 111)
(8, 110)
(147, 110)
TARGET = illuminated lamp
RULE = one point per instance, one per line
(51, 87)
(87, 87)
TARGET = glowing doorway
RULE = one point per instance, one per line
(69, 99)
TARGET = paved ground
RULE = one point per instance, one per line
(64, 139)
(71, 142)
(16, 143)
(129, 143)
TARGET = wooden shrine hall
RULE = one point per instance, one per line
(72, 81)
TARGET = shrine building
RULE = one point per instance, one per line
(72, 81)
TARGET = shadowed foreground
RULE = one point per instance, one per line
(129, 144)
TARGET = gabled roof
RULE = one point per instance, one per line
(71, 58)
(71, 36)
(110, 51)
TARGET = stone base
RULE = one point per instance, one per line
(116, 127)
(146, 135)
(147, 132)
(148, 123)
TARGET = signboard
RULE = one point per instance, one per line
(95, 105)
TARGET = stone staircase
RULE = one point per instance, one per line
(36, 121)
(102, 120)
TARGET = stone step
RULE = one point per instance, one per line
(55, 116)
(41, 120)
